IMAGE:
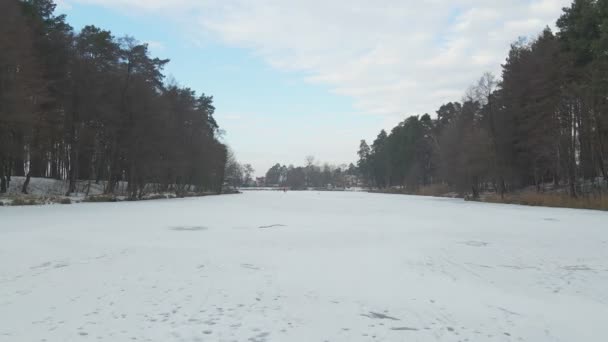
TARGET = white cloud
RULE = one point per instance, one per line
(62, 5)
(392, 57)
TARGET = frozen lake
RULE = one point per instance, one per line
(307, 266)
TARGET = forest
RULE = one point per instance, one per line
(90, 106)
(542, 124)
(312, 175)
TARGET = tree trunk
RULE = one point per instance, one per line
(111, 170)
(26, 184)
(3, 179)
(475, 190)
(74, 150)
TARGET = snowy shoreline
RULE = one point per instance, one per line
(45, 191)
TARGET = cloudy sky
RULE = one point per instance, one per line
(293, 78)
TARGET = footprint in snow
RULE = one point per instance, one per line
(404, 329)
(272, 226)
(578, 268)
(262, 337)
(250, 266)
(188, 228)
(376, 315)
(46, 264)
(476, 243)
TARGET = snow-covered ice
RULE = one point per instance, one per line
(303, 266)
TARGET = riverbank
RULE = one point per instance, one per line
(550, 197)
(44, 191)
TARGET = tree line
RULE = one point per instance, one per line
(545, 121)
(89, 106)
(312, 175)
(237, 174)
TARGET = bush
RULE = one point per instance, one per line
(155, 197)
(20, 201)
(557, 200)
(158, 197)
(65, 201)
(101, 199)
(435, 190)
(393, 191)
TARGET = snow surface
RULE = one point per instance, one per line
(303, 266)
